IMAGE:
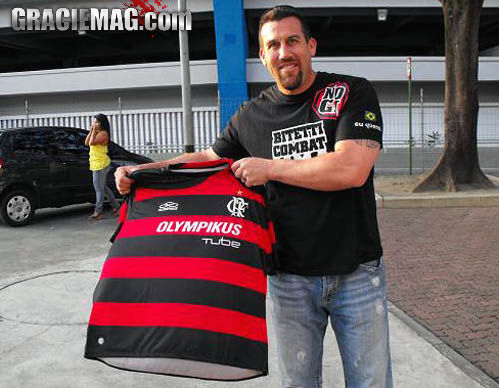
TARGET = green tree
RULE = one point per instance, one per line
(458, 164)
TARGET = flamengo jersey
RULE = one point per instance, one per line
(183, 288)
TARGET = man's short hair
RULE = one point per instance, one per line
(280, 12)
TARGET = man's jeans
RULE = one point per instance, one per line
(101, 189)
(355, 304)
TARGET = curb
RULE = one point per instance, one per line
(437, 201)
(458, 360)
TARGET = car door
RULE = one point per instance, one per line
(71, 156)
(30, 164)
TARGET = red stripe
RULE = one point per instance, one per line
(221, 183)
(123, 212)
(249, 231)
(186, 268)
(179, 315)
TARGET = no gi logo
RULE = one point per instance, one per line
(237, 206)
(329, 102)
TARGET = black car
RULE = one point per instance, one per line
(48, 167)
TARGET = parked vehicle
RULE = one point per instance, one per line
(44, 167)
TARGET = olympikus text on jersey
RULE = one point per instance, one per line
(317, 232)
(183, 288)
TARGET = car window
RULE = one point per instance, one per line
(29, 142)
(68, 141)
(115, 151)
(5, 143)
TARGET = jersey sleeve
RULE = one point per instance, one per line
(228, 145)
(361, 118)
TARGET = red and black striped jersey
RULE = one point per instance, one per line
(182, 290)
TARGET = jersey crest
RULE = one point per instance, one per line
(329, 102)
(237, 206)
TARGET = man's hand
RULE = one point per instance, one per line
(253, 171)
(123, 183)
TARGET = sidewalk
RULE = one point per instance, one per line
(394, 192)
(43, 335)
(43, 318)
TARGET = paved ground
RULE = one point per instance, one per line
(443, 271)
(55, 236)
(43, 316)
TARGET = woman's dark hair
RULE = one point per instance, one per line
(103, 121)
(280, 12)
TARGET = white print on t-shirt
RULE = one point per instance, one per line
(368, 126)
(301, 142)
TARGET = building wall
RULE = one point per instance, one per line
(101, 101)
(397, 91)
(202, 96)
(151, 86)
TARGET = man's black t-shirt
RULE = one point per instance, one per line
(317, 232)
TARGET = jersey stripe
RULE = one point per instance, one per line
(247, 254)
(220, 183)
(176, 342)
(179, 315)
(197, 205)
(190, 291)
(186, 268)
(248, 231)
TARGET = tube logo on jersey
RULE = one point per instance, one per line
(329, 102)
(301, 142)
(199, 226)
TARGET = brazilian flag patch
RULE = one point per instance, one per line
(370, 116)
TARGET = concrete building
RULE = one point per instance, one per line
(64, 77)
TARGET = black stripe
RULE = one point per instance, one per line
(188, 246)
(189, 291)
(199, 205)
(162, 179)
(173, 342)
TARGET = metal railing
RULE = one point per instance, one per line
(428, 124)
(149, 131)
(145, 131)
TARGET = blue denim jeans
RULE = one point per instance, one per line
(357, 308)
(101, 189)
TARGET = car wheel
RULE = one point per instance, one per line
(17, 208)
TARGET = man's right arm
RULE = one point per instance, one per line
(123, 182)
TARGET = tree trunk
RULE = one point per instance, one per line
(459, 164)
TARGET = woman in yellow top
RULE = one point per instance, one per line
(100, 164)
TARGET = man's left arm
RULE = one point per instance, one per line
(358, 140)
(348, 166)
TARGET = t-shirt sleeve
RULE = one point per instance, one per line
(228, 144)
(361, 117)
